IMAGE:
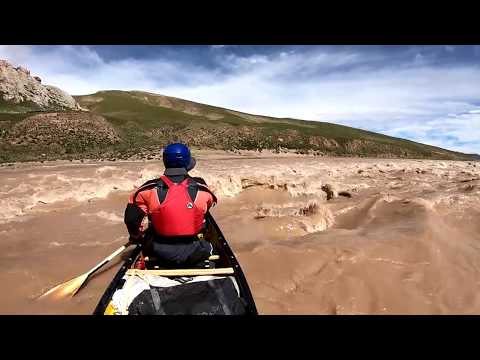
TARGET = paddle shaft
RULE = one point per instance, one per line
(108, 259)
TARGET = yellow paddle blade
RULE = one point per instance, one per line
(71, 287)
(67, 289)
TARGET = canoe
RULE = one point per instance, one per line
(219, 287)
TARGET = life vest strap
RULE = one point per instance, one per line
(166, 180)
(193, 188)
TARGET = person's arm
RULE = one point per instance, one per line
(135, 213)
(212, 200)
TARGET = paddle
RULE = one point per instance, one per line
(71, 287)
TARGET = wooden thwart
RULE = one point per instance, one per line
(182, 272)
(211, 258)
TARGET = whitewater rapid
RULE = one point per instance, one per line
(398, 236)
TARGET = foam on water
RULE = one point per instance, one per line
(21, 197)
(78, 184)
(111, 217)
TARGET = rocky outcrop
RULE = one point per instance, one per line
(21, 92)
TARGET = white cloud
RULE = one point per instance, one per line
(460, 132)
(80, 70)
(338, 86)
(449, 48)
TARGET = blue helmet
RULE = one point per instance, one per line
(178, 156)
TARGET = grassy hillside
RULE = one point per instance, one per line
(126, 124)
(140, 116)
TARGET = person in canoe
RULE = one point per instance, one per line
(175, 205)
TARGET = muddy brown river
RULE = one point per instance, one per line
(402, 238)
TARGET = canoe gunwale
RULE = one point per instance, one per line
(112, 287)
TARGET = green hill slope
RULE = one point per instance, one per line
(121, 124)
(144, 119)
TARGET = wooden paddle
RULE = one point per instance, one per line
(71, 287)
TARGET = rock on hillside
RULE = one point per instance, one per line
(21, 92)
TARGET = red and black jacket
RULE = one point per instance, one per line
(176, 205)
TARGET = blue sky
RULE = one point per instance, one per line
(429, 94)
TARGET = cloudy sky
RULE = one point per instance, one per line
(429, 94)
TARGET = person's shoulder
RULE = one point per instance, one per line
(199, 180)
(204, 187)
(149, 183)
